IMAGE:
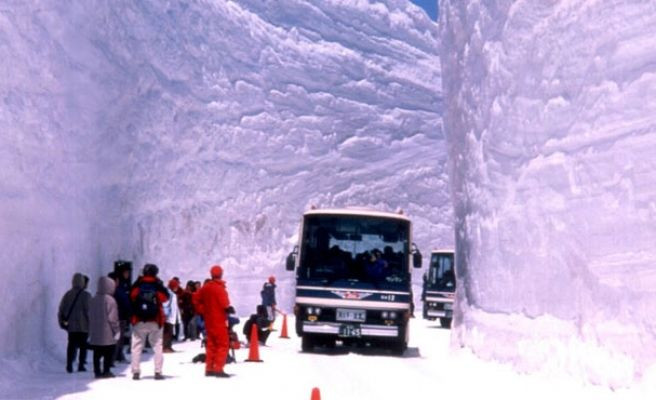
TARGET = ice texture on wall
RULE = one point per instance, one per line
(243, 116)
(58, 178)
(190, 133)
(550, 115)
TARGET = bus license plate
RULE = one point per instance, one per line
(448, 306)
(349, 331)
(351, 315)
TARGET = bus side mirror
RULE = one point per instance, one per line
(416, 256)
(291, 259)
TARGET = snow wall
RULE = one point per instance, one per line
(550, 115)
(191, 133)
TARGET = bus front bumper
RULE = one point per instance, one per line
(439, 313)
(367, 330)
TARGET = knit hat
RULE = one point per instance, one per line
(216, 272)
(150, 270)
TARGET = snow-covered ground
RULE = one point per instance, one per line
(551, 123)
(429, 369)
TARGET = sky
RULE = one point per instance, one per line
(429, 5)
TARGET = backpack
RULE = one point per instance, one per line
(146, 305)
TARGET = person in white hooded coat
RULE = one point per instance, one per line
(172, 313)
(104, 327)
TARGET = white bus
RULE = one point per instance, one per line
(439, 287)
(353, 278)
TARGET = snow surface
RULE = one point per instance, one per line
(551, 122)
(190, 133)
(429, 369)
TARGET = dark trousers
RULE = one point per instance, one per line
(118, 352)
(76, 340)
(187, 328)
(177, 332)
(263, 335)
(104, 353)
(168, 336)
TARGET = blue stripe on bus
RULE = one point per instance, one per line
(355, 295)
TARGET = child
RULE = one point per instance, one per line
(104, 327)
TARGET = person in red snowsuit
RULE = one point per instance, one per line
(212, 303)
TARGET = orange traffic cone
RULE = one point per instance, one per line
(254, 348)
(316, 394)
(283, 332)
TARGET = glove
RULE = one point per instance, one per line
(230, 310)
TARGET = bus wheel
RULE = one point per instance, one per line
(399, 347)
(307, 343)
(445, 323)
(330, 343)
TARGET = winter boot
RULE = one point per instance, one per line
(159, 376)
(136, 376)
(222, 374)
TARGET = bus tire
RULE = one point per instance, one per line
(399, 347)
(445, 323)
(307, 343)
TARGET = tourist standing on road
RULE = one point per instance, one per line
(73, 316)
(172, 314)
(268, 294)
(178, 290)
(212, 303)
(148, 295)
(187, 312)
(104, 327)
(122, 275)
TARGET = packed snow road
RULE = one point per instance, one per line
(429, 369)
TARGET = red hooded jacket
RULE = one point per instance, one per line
(211, 302)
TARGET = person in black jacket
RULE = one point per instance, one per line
(122, 275)
(261, 319)
(268, 294)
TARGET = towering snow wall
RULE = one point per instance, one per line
(551, 122)
(58, 172)
(190, 133)
(244, 114)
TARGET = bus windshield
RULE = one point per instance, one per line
(441, 275)
(358, 249)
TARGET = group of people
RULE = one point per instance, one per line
(150, 312)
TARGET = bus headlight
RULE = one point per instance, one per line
(313, 311)
(388, 315)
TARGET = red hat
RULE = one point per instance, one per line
(216, 272)
(173, 284)
(272, 279)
